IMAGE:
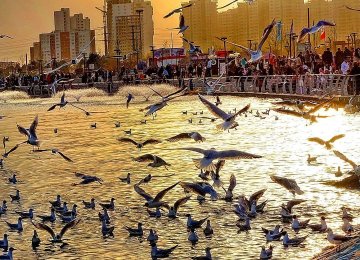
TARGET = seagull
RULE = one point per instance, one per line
(182, 27)
(321, 24)
(30, 133)
(9, 254)
(126, 179)
(311, 159)
(108, 206)
(104, 216)
(174, 209)
(200, 189)
(155, 160)
(193, 50)
(135, 231)
(322, 227)
(297, 225)
(346, 214)
(273, 235)
(4, 244)
(255, 54)
(207, 255)
(346, 226)
(178, 10)
(29, 214)
(57, 202)
(193, 237)
(154, 202)
(51, 217)
(105, 230)
(244, 227)
(2, 36)
(161, 253)
(139, 145)
(328, 144)
(117, 124)
(129, 98)
(208, 231)
(57, 238)
(89, 205)
(128, 132)
(154, 214)
(196, 136)
(18, 226)
(193, 224)
(54, 151)
(62, 209)
(15, 197)
(352, 9)
(152, 237)
(209, 155)
(86, 179)
(232, 2)
(336, 239)
(229, 192)
(62, 103)
(286, 210)
(35, 241)
(215, 175)
(292, 242)
(356, 168)
(266, 253)
(289, 184)
(13, 179)
(229, 119)
(152, 109)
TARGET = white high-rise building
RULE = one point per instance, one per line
(62, 20)
(79, 23)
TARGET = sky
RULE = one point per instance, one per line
(26, 19)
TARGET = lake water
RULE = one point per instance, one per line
(283, 143)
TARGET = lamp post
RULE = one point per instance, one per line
(353, 35)
(250, 43)
(117, 56)
(226, 58)
(348, 40)
(139, 12)
(152, 49)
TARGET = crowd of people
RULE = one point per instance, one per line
(345, 62)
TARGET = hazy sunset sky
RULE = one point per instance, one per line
(26, 19)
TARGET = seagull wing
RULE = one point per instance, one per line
(293, 203)
(288, 112)
(127, 140)
(232, 184)
(319, 106)
(323, 23)
(256, 196)
(180, 202)
(353, 9)
(52, 107)
(145, 158)
(64, 156)
(194, 187)
(68, 226)
(46, 228)
(169, 14)
(243, 110)
(182, 21)
(22, 130)
(179, 137)
(33, 126)
(11, 150)
(266, 34)
(316, 140)
(186, 6)
(151, 141)
(156, 92)
(162, 193)
(336, 137)
(344, 158)
(196, 150)
(63, 98)
(176, 92)
(237, 45)
(222, 7)
(219, 165)
(235, 154)
(142, 193)
(303, 33)
(216, 111)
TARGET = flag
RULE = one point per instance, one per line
(323, 35)
(279, 31)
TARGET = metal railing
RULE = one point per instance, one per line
(310, 84)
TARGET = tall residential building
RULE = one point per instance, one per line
(72, 37)
(122, 13)
(35, 52)
(202, 20)
(62, 20)
(79, 23)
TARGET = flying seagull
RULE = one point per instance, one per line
(63, 103)
(2, 36)
(30, 133)
(288, 184)
(54, 151)
(356, 168)
(255, 54)
(229, 119)
(328, 144)
(56, 238)
(321, 24)
(206, 162)
(228, 4)
(177, 10)
(182, 27)
(193, 49)
(154, 160)
(154, 202)
(139, 145)
(197, 137)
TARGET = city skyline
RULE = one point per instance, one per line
(38, 17)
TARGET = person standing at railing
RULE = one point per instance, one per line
(355, 72)
(345, 66)
(339, 58)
